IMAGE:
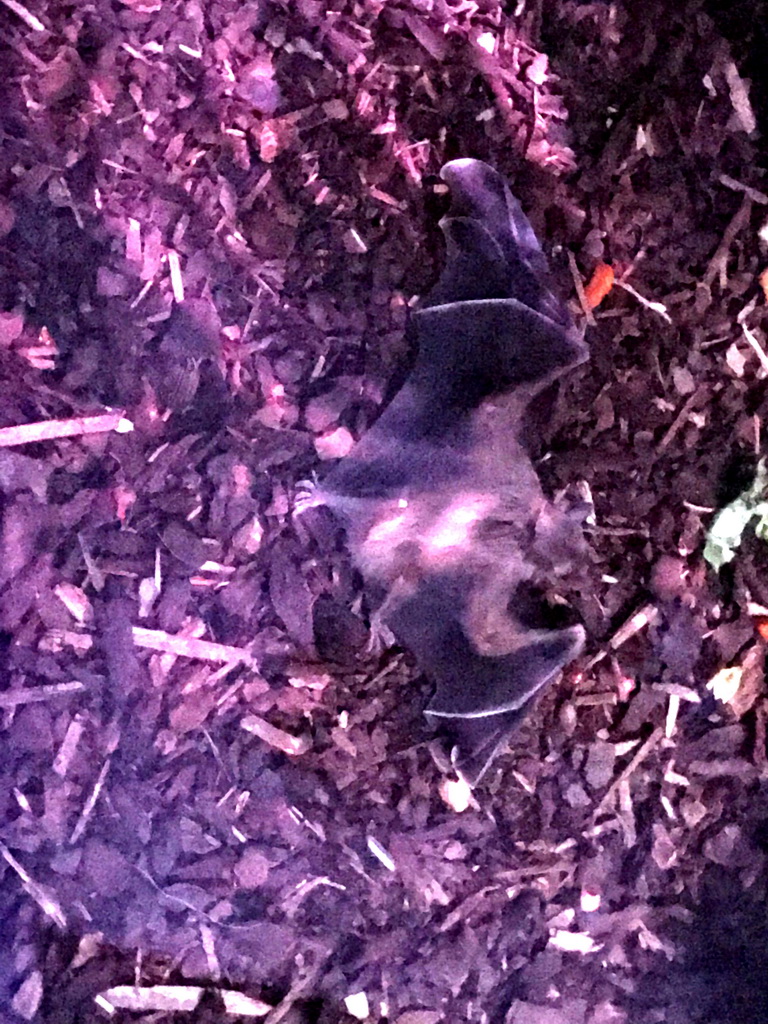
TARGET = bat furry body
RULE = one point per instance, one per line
(444, 512)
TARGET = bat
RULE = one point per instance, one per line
(443, 510)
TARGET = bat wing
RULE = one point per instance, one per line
(405, 453)
(492, 250)
(476, 267)
(469, 351)
(476, 741)
(491, 324)
(429, 622)
(479, 701)
(471, 685)
(481, 193)
(486, 329)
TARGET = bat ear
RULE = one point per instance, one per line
(470, 685)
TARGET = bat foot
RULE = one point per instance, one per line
(307, 495)
(576, 501)
(380, 637)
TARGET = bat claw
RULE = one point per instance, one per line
(577, 502)
(380, 637)
(307, 495)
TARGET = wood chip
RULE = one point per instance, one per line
(49, 430)
(239, 1004)
(166, 998)
(190, 647)
(26, 16)
(277, 738)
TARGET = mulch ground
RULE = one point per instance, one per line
(214, 218)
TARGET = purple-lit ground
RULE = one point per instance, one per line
(200, 760)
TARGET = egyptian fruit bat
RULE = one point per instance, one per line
(443, 510)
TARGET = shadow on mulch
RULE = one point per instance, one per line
(720, 974)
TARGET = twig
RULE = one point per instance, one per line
(299, 988)
(177, 281)
(578, 284)
(68, 746)
(26, 16)
(49, 430)
(656, 307)
(467, 907)
(643, 617)
(677, 690)
(717, 264)
(163, 998)
(277, 738)
(189, 647)
(617, 531)
(673, 710)
(624, 775)
(756, 346)
(39, 893)
(738, 186)
(678, 422)
(90, 803)
(33, 694)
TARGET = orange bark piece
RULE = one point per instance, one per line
(599, 285)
